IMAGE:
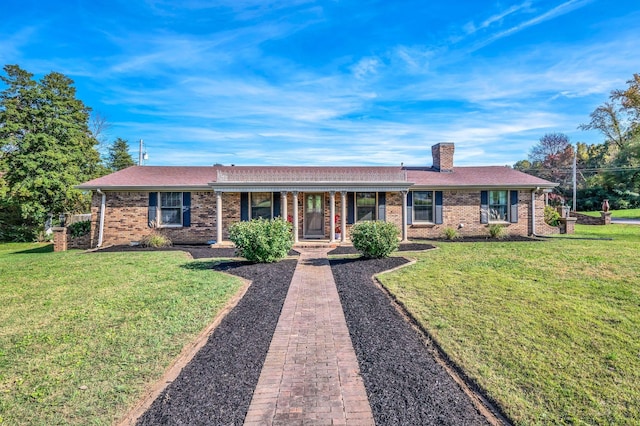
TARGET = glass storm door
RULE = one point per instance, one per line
(313, 216)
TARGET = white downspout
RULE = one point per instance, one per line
(533, 212)
(102, 207)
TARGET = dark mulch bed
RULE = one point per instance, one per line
(216, 387)
(403, 247)
(405, 385)
(196, 251)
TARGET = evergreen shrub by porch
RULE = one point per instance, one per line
(551, 216)
(375, 239)
(79, 229)
(262, 240)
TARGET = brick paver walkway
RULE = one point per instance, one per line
(311, 374)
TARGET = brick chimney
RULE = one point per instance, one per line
(443, 156)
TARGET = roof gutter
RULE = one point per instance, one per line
(533, 211)
(102, 208)
(145, 188)
(309, 186)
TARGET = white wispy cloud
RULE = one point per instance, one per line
(366, 67)
(471, 27)
(247, 92)
(564, 8)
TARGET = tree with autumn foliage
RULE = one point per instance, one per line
(551, 159)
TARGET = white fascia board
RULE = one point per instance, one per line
(130, 188)
(309, 186)
(477, 187)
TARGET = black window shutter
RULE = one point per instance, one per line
(438, 218)
(484, 206)
(351, 208)
(409, 208)
(276, 204)
(186, 209)
(514, 207)
(382, 206)
(244, 206)
(153, 209)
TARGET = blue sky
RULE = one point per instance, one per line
(253, 82)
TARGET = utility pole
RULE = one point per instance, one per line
(140, 154)
(575, 163)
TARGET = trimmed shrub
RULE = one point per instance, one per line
(262, 240)
(79, 229)
(551, 216)
(451, 233)
(498, 232)
(375, 239)
(155, 240)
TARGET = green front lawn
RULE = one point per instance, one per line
(110, 322)
(551, 330)
(620, 214)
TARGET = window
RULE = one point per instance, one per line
(261, 205)
(498, 206)
(423, 206)
(170, 209)
(365, 206)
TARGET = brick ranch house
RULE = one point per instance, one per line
(197, 204)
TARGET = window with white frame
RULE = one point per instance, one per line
(498, 206)
(261, 205)
(365, 206)
(423, 206)
(170, 209)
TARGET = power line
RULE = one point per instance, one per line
(587, 169)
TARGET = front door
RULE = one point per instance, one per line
(313, 216)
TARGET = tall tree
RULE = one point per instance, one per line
(118, 157)
(619, 118)
(46, 145)
(552, 159)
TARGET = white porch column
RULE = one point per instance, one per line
(332, 216)
(218, 217)
(283, 205)
(295, 217)
(343, 216)
(404, 216)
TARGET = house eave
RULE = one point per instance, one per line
(481, 187)
(309, 186)
(145, 188)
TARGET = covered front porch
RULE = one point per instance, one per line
(321, 206)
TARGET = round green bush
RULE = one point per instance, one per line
(551, 216)
(80, 229)
(375, 239)
(262, 240)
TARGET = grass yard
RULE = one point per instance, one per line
(551, 330)
(110, 322)
(620, 214)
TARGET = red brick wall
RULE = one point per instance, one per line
(463, 207)
(62, 240)
(126, 216)
(583, 219)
